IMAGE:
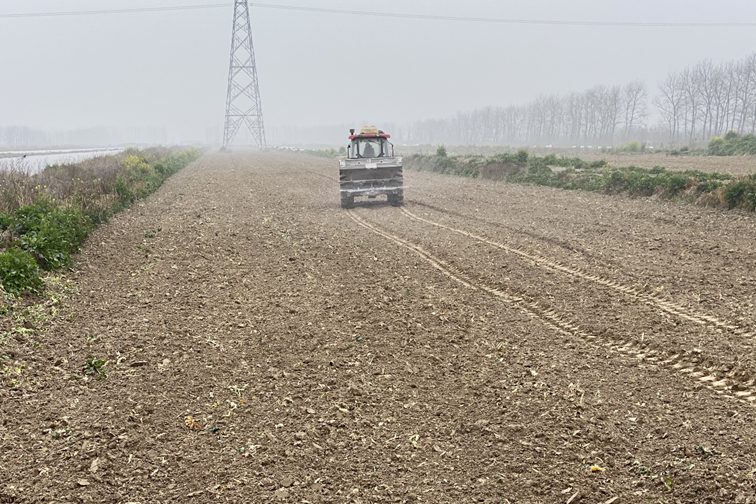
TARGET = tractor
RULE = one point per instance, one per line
(370, 168)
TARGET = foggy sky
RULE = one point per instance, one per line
(169, 70)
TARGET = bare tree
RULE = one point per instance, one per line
(670, 103)
(635, 100)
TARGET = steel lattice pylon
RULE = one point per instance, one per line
(243, 105)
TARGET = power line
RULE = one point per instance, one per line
(501, 20)
(115, 11)
(394, 15)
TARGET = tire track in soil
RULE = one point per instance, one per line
(536, 236)
(728, 385)
(648, 299)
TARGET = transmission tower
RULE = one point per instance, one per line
(243, 105)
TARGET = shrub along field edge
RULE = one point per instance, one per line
(732, 144)
(710, 189)
(45, 217)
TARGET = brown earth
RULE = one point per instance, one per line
(499, 171)
(485, 343)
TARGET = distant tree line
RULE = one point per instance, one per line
(600, 115)
(691, 107)
(707, 100)
(21, 136)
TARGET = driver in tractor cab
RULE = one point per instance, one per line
(368, 151)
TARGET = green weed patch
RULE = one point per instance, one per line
(732, 144)
(19, 271)
(50, 233)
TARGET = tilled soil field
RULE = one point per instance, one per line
(484, 343)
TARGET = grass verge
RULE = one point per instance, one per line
(46, 216)
(706, 188)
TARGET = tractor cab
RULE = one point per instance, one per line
(370, 143)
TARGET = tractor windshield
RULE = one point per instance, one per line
(371, 147)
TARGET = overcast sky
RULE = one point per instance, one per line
(169, 69)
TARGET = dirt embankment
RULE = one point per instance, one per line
(485, 343)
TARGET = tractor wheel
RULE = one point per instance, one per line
(347, 201)
(396, 199)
